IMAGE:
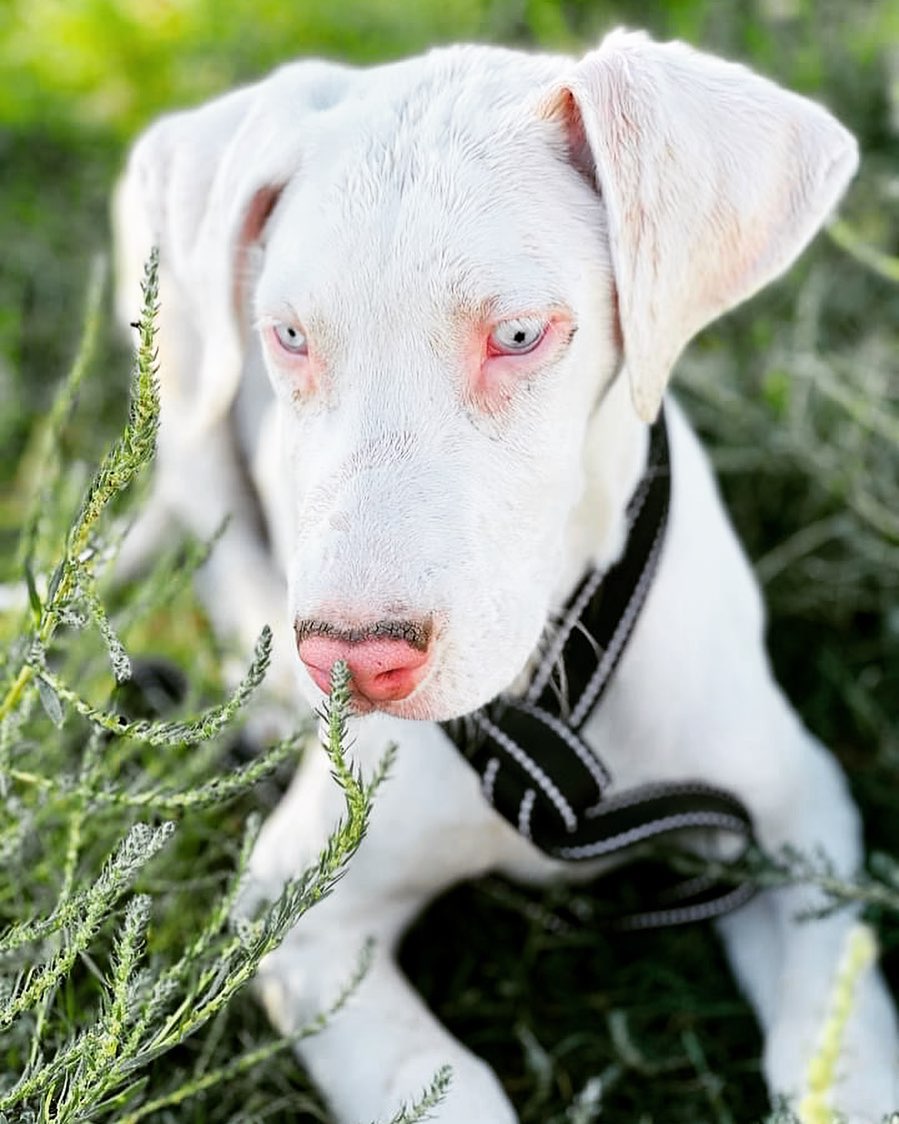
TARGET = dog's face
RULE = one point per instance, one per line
(436, 313)
(446, 261)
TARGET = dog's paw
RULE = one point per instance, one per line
(864, 1084)
(855, 1103)
(474, 1092)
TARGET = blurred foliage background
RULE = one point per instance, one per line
(797, 395)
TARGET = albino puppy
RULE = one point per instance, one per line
(415, 322)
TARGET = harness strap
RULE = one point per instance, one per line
(542, 777)
(602, 611)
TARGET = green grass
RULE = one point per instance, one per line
(796, 395)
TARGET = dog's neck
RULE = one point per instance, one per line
(616, 448)
(615, 452)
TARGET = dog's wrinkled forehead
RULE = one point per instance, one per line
(418, 115)
(437, 178)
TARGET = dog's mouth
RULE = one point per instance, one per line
(422, 705)
(434, 699)
(411, 709)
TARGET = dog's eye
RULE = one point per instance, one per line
(290, 338)
(516, 337)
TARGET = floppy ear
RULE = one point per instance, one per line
(201, 185)
(713, 179)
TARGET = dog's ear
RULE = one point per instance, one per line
(201, 185)
(713, 178)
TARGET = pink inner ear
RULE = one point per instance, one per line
(563, 109)
(261, 206)
(258, 213)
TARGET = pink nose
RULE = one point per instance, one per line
(384, 668)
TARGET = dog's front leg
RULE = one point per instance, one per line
(788, 961)
(384, 1048)
(430, 828)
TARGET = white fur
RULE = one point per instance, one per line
(412, 194)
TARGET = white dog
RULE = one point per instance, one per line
(416, 322)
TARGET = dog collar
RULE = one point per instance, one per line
(538, 772)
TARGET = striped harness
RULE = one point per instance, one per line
(538, 772)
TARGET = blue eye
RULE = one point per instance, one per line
(516, 337)
(290, 338)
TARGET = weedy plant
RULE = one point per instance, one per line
(99, 975)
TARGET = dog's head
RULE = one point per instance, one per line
(447, 262)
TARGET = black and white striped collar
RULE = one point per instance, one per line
(536, 769)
